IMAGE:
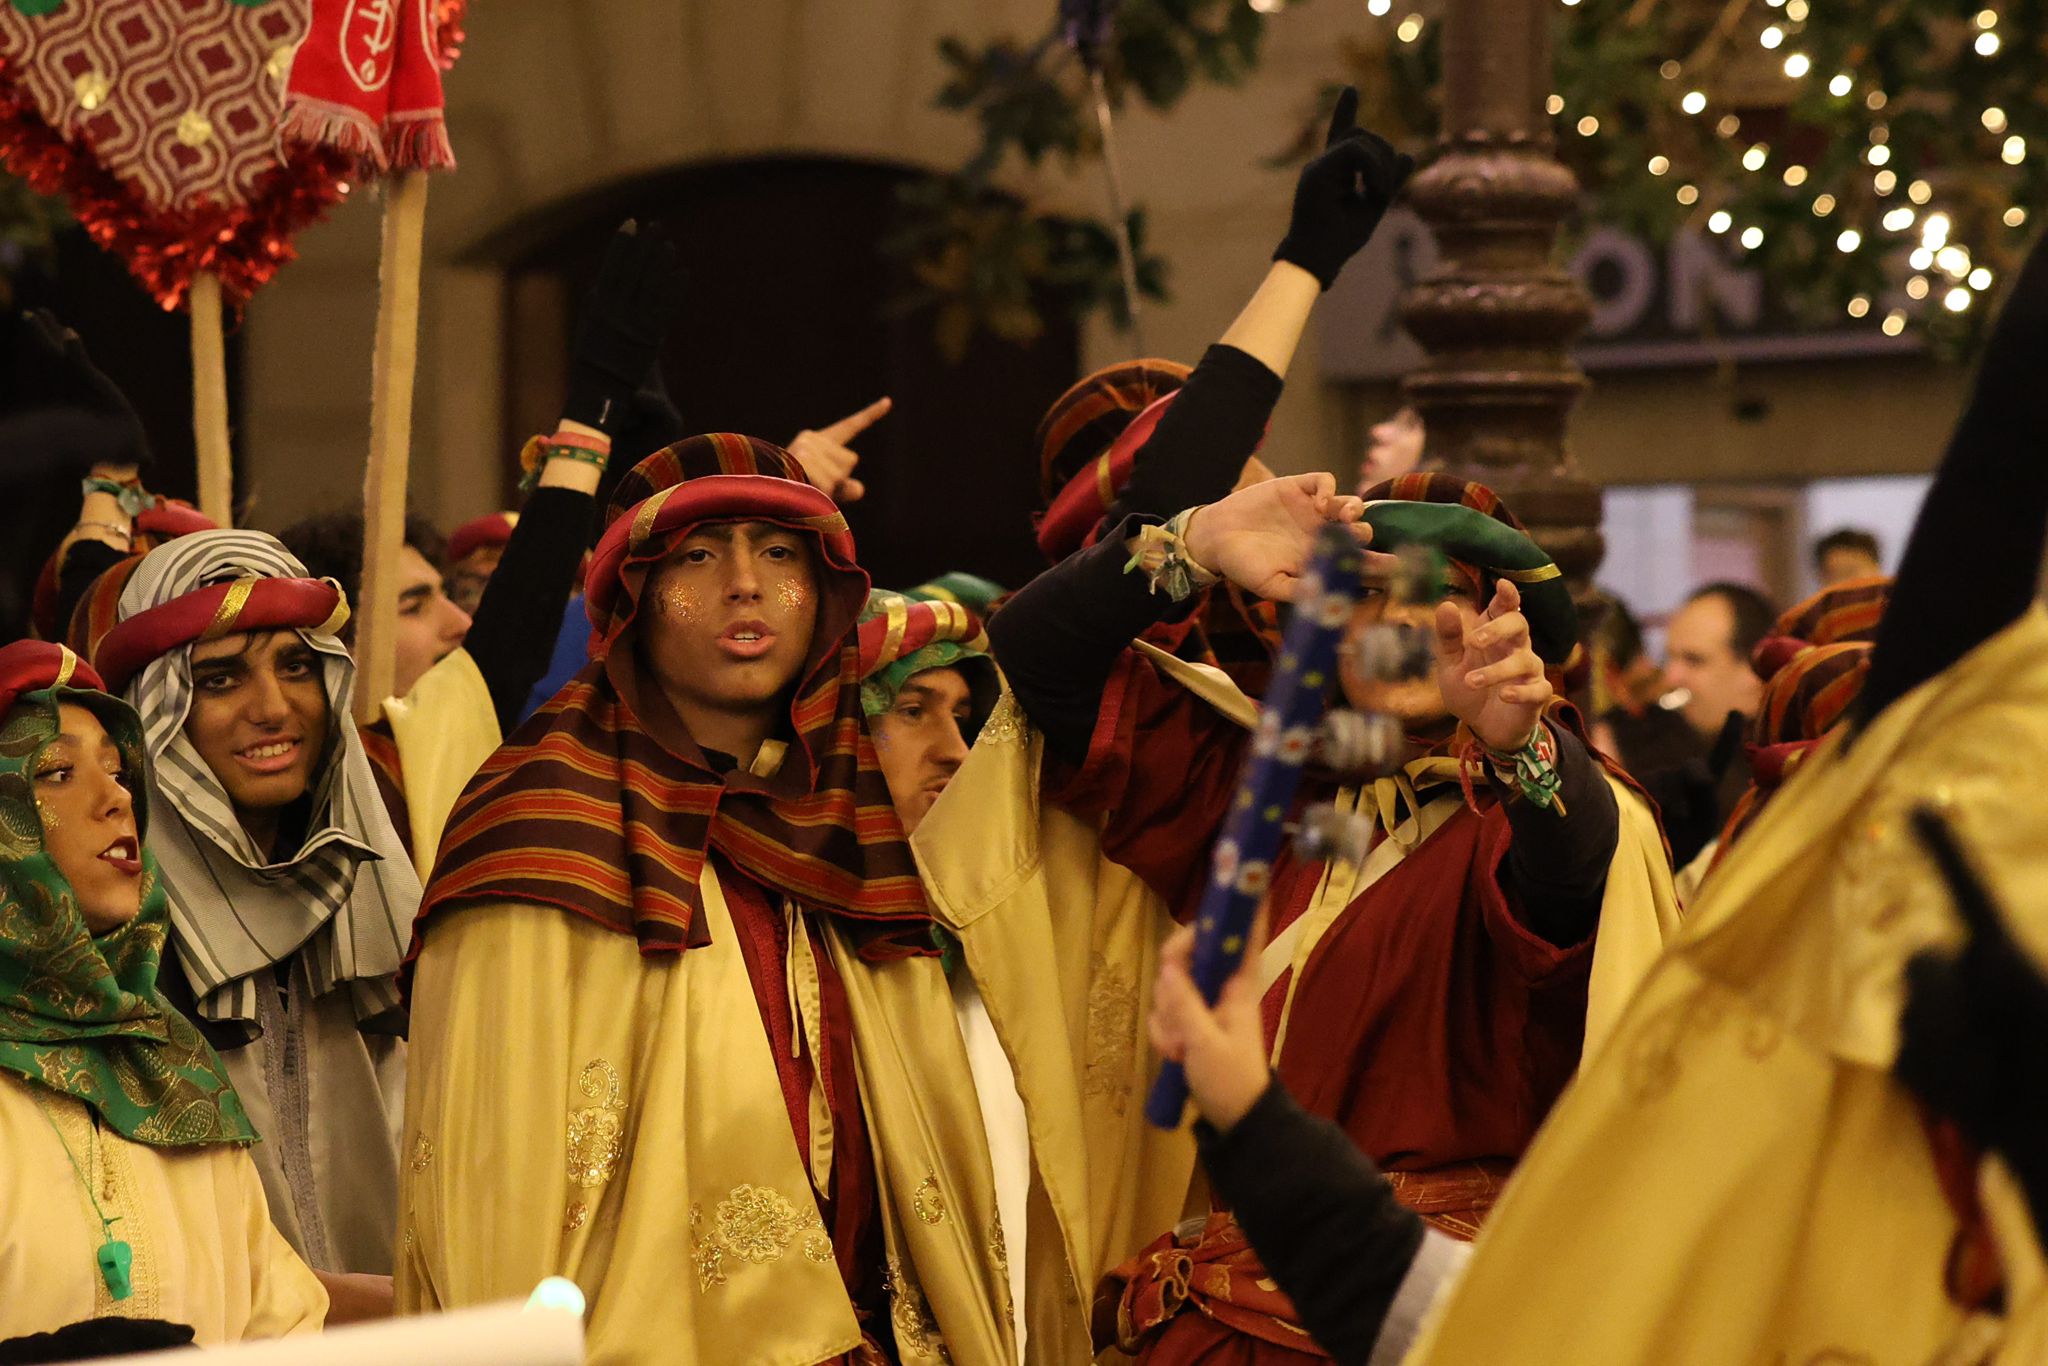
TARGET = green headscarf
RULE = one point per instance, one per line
(82, 1015)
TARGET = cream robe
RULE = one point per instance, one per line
(577, 1109)
(1736, 1177)
(328, 1100)
(444, 729)
(205, 1251)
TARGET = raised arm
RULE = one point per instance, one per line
(1197, 454)
(1060, 636)
(618, 343)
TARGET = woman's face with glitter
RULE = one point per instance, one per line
(729, 617)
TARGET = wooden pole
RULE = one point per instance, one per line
(391, 383)
(1498, 315)
(210, 401)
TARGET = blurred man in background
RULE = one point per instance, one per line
(1847, 553)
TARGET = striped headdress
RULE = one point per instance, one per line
(166, 520)
(345, 899)
(1075, 436)
(586, 810)
(1850, 610)
(901, 635)
(1807, 692)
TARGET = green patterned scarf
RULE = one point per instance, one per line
(82, 1015)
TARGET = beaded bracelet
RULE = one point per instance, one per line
(1531, 770)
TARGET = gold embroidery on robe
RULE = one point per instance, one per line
(755, 1224)
(917, 1331)
(573, 1217)
(999, 1253)
(422, 1152)
(930, 1201)
(596, 1132)
(1112, 1016)
(1006, 724)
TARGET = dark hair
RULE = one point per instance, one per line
(1847, 538)
(1754, 615)
(330, 545)
(1605, 620)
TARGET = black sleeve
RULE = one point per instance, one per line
(1557, 865)
(1201, 443)
(1060, 636)
(1973, 562)
(513, 635)
(1320, 1215)
(84, 562)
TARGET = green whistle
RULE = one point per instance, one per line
(116, 1258)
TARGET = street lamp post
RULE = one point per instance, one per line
(1497, 315)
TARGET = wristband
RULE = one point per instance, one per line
(124, 532)
(133, 499)
(536, 453)
(1531, 770)
(1162, 557)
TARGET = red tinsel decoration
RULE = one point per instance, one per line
(244, 245)
(448, 34)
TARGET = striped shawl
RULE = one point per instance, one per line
(586, 810)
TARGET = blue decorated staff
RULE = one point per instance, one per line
(1287, 737)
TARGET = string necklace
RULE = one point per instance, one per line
(114, 1257)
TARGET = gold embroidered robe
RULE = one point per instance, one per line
(577, 1109)
(1026, 889)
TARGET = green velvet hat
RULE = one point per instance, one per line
(971, 591)
(1480, 537)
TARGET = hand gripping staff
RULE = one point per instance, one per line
(1287, 737)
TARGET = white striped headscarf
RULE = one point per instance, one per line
(345, 900)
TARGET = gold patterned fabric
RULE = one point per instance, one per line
(621, 1130)
(1062, 944)
(1741, 1178)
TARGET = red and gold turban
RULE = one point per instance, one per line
(29, 666)
(901, 636)
(221, 609)
(166, 521)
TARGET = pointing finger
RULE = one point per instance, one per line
(1344, 118)
(847, 428)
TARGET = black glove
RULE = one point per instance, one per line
(58, 409)
(107, 1337)
(1973, 1037)
(1342, 195)
(625, 316)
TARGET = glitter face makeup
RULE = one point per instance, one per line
(730, 616)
